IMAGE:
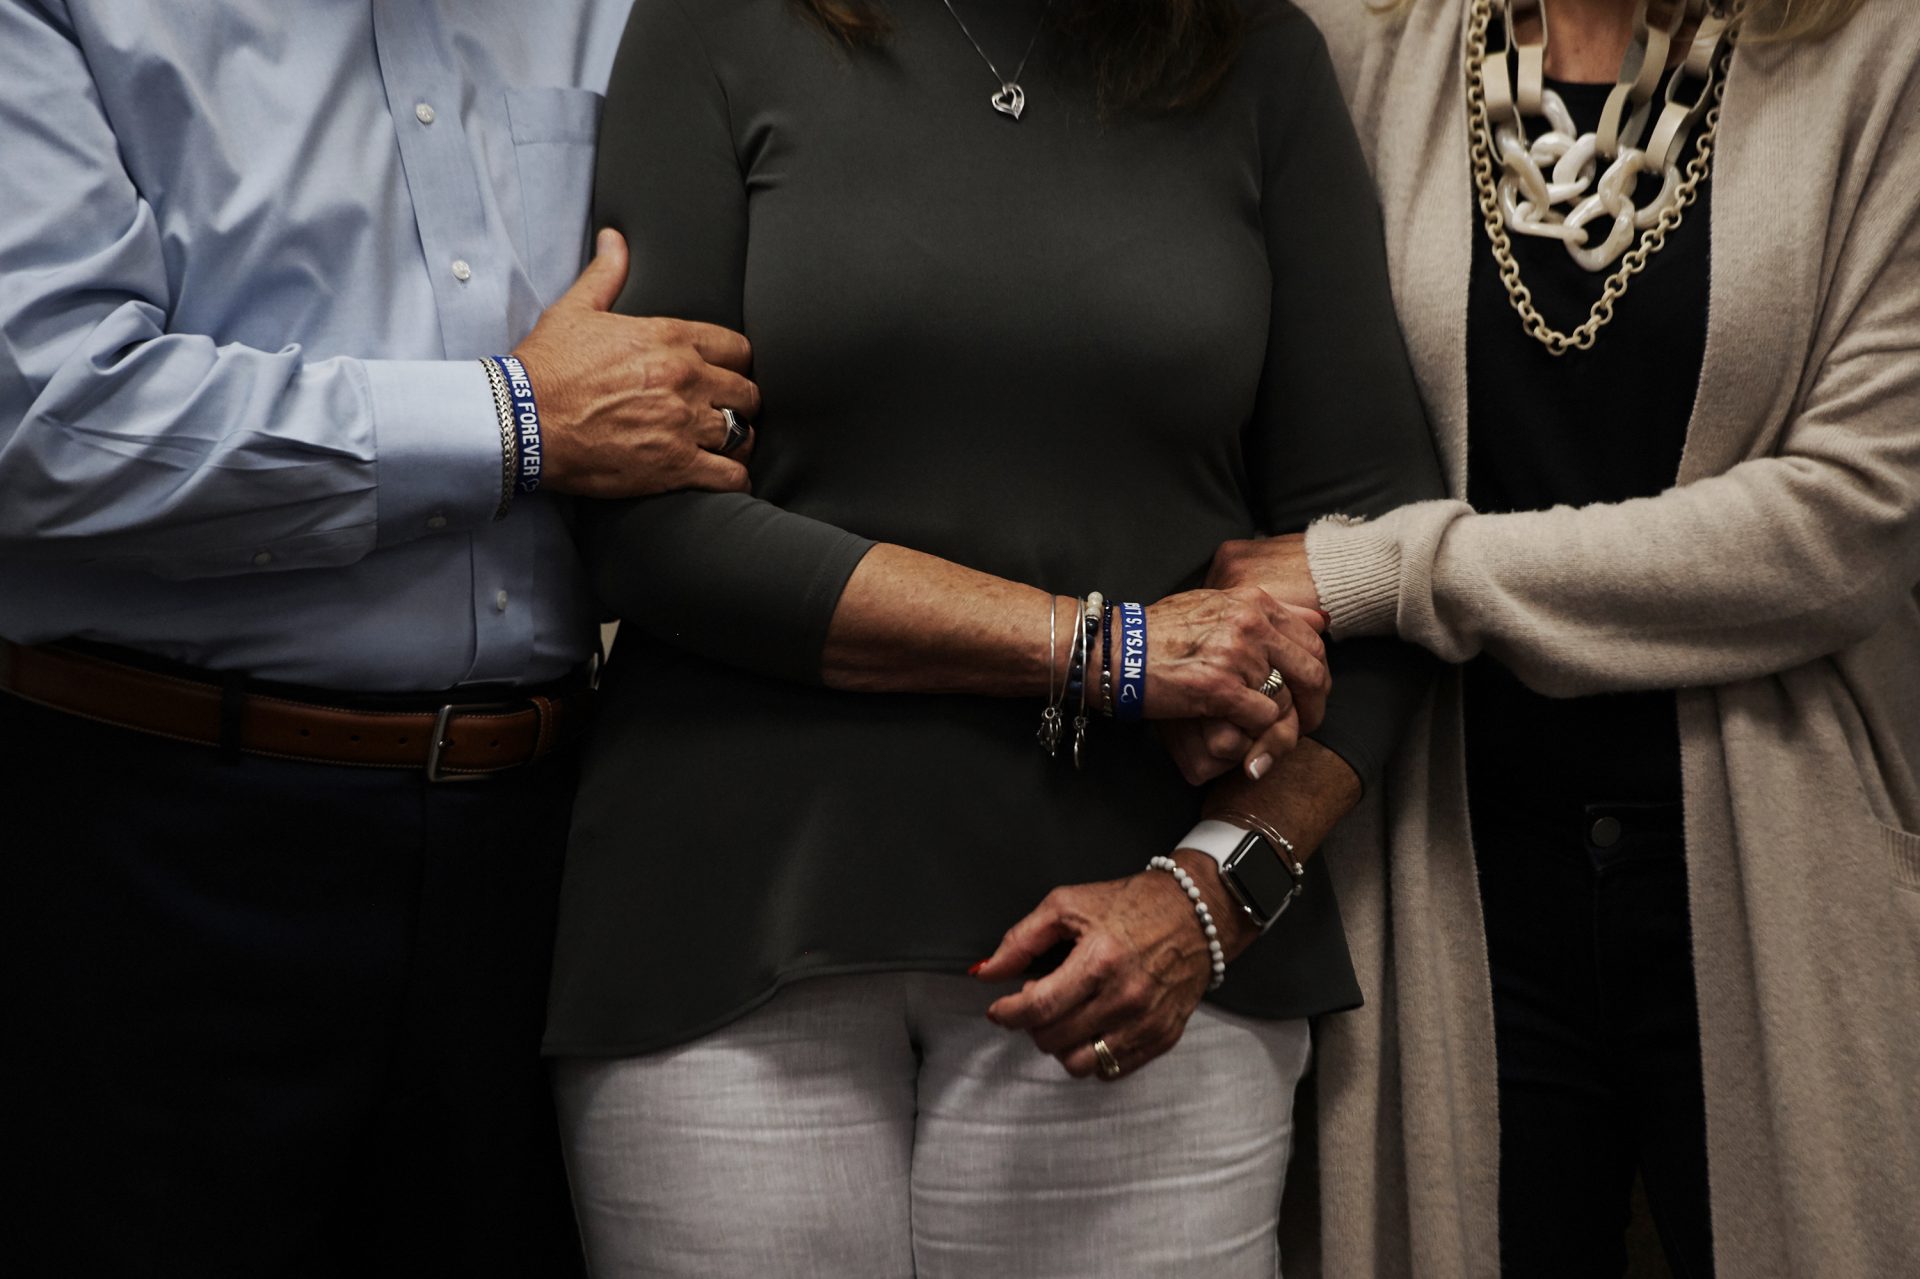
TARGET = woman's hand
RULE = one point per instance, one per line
(1276, 565)
(1210, 747)
(1208, 652)
(1204, 749)
(1138, 967)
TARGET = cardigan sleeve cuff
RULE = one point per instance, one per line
(1356, 568)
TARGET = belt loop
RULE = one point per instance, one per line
(233, 708)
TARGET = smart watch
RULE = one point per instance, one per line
(1259, 868)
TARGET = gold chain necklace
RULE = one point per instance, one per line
(1487, 188)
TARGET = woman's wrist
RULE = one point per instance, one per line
(1236, 931)
(1095, 660)
(1355, 568)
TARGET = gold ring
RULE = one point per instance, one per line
(1109, 1064)
(1274, 685)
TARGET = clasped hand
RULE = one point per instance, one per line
(1208, 653)
(1139, 963)
(1208, 746)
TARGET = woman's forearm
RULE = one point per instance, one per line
(1306, 795)
(1303, 799)
(910, 622)
(1777, 562)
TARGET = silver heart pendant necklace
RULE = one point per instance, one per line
(1011, 99)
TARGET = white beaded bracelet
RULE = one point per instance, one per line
(1199, 908)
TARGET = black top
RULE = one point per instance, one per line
(1605, 425)
(1072, 353)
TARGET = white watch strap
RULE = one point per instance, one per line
(1216, 839)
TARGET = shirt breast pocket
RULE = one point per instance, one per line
(554, 131)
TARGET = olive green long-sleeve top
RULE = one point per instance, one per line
(1071, 351)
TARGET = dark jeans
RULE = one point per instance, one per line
(1597, 1033)
(270, 1018)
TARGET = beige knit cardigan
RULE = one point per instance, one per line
(1774, 585)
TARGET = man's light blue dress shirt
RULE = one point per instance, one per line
(250, 252)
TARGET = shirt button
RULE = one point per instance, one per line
(1605, 833)
(423, 113)
(461, 271)
(263, 559)
(437, 521)
(500, 602)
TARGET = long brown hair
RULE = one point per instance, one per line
(1153, 55)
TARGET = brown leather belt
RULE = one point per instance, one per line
(454, 742)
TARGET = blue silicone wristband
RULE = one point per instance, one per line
(1131, 702)
(526, 421)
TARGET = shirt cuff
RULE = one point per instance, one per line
(437, 442)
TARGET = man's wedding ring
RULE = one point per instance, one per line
(736, 431)
(1109, 1064)
(1274, 685)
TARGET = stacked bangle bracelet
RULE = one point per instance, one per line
(1049, 734)
(1118, 690)
(519, 415)
(509, 436)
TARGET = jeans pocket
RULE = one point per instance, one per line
(554, 130)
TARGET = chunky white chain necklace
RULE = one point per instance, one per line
(1554, 186)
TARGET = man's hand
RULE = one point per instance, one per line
(631, 407)
(1276, 565)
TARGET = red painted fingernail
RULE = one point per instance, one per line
(975, 970)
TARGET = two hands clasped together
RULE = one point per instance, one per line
(1140, 960)
(633, 407)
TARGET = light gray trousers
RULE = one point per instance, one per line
(879, 1127)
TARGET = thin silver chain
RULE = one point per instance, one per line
(1017, 71)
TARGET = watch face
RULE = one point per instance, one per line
(1257, 871)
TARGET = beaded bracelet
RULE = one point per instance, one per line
(1106, 663)
(1192, 891)
(1090, 609)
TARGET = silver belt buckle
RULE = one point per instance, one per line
(441, 721)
